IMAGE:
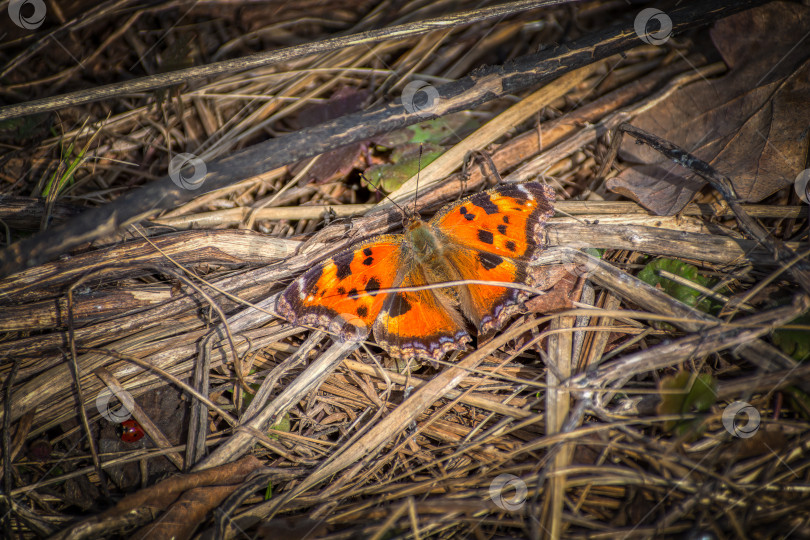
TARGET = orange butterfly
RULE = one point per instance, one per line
(490, 236)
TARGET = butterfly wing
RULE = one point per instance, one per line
(339, 294)
(488, 236)
(422, 323)
(493, 235)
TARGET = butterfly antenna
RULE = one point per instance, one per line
(418, 172)
(364, 177)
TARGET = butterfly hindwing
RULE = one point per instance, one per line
(420, 323)
(488, 306)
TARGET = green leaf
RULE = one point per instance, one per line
(404, 164)
(650, 274)
(795, 342)
(269, 491)
(686, 393)
(283, 425)
(246, 397)
(63, 175)
(799, 401)
(451, 127)
(595, 252)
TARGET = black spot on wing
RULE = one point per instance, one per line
(399, 306)
(341, 291)
(502, 229)
(506, 219)
(485, 236)
(353, 294)
(362, 311)
(367, 252)
(372, 286)
(483, 201)
(368, 261)
(343, 263)
(489, 261)
(469, 216)
(511, 246)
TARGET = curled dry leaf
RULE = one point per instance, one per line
(186, 514)
(164, 493)
(750, 124)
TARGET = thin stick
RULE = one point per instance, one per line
(74, 365)
(164, 80)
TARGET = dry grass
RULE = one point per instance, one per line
(177, 311)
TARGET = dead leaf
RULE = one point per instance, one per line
(339, 162)
(186, 514)
(559, 287)
(769, 440)
(345, 100)
(164, 493)
(332, 165)
(750, 124)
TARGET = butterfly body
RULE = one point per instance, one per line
(488, 236)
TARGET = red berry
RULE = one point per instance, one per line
(130, 431)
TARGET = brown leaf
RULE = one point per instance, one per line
(332, 165)
(186, 513)
(345, 100)
(339, 162)
(769, 440)
(750, 124)
(559, 286)
(164, 493)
